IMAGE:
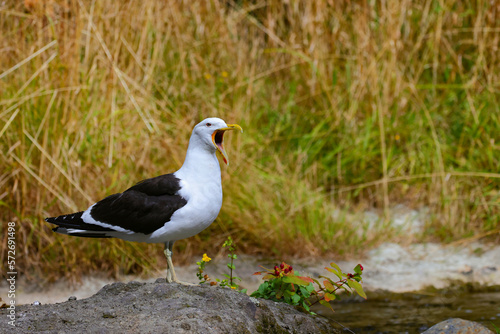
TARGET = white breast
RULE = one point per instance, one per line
(202, 189)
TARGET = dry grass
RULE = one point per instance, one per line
(345, 105)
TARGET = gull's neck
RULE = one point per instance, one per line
(201, 162)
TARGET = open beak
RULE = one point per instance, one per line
(218, 139)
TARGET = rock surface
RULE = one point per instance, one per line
(165, 308)
(458, 326)
(389, 267)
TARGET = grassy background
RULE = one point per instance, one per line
(347, 107)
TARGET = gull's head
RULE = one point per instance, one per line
(211, 131)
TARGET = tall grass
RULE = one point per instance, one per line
(346, 106)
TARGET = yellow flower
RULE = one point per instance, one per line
(224, 74)
(397, 137)
(207, 76)
(233, 287)
(206, 258)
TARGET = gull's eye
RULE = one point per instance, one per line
(208, 124)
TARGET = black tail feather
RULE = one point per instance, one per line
(63, 230)
(75, 221)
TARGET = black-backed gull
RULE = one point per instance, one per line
(165, 208)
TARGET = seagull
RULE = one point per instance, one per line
(165, 208)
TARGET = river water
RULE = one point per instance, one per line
(386, 312)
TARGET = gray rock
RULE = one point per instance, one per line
(165, 308)
(458, 326)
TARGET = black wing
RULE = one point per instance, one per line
(143, 208)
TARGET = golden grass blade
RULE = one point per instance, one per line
(475, 238)
(36, 74)
(9, 122)
(59, 168)
(40, 92)
(56, 193)
(148, 121)
(44, 119)
(27, 59)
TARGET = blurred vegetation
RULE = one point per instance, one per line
(347, 106)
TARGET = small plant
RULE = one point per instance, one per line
(230, 280)
(350, 283)
(201, 268)
(283, 285)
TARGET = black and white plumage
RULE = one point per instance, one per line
(165, 208)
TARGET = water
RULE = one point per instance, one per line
(386, 312)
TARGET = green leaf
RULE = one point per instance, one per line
(310, 288)
(269, 277)
(295, 280)
(358, 270)
(357, 286)
(327, 304)
(340, 275)
(304, 291)
(295, 299)
(306, 278)
(316, 281)
(334, 265)
(305, 305)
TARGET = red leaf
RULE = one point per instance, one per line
(329, 297)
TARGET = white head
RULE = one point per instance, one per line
(210, 132)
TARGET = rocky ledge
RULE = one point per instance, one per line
(165, 308)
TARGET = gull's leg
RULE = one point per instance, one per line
(171, 276)
(170, 270)
(168, 254)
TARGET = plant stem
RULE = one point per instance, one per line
(231, 269)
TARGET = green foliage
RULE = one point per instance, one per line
(497, 329)
(203, 278)
(282, 284)
(230, 280)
